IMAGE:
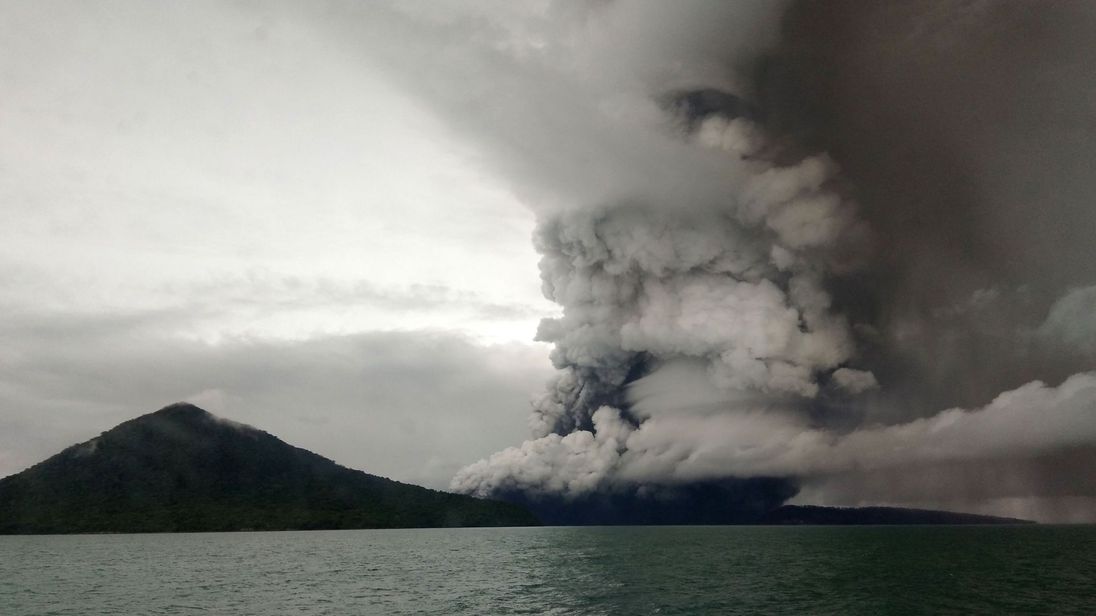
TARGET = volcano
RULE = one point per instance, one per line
(183, 469)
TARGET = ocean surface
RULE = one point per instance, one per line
(622, 570)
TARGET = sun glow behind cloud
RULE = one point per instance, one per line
(249, 172)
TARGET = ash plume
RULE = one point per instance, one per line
(830, 246)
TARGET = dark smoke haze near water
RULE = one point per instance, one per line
(839, 247)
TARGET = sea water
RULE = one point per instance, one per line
(621, 570)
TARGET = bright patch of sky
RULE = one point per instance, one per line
(237, 164)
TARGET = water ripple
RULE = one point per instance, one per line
(557, 571)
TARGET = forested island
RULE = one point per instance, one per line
(182, 469)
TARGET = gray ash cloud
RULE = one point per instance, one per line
(819, 242)
(964, 128)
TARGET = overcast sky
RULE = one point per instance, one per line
(319, 218)
(220, 202)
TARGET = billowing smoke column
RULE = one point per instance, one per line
(729, 297)
(837, 247)
(676, 312)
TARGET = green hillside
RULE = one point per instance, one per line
(182, 469)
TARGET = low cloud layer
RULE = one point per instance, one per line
(396, 404)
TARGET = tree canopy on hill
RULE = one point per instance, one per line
(182, 469)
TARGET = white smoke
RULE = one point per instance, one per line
(1072, 321)
(727, 288)
(694, 445)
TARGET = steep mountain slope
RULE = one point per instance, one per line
(183, 469)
